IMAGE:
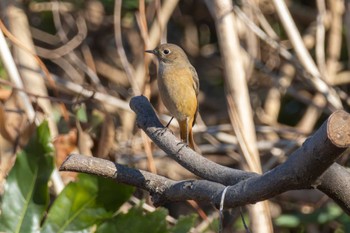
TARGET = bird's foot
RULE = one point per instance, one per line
(161, 132)
(183, 145)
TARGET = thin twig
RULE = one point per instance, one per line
(120, 48)
(304, 56)
(320, 38)
(12, 70)
(36, 57)
(334, 45)
(54, 99)
(80, 23)
(320, 85)
(71, 87)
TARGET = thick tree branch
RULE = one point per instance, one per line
(165, 140)
(96, 166)
(311, 166)
(335, 182)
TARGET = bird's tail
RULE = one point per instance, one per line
(186, 133)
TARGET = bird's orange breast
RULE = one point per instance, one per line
(177, 92)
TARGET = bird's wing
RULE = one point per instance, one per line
(196, 89)
(195, 80)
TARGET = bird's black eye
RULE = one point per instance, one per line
(166, 51)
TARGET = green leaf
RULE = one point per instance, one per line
(331, 212)
(288, 220)
(136, 221)
(84, 203)
(184, 224)
(81, 114)
(26, 194)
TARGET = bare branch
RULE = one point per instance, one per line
(101, 167)
(200, 166)
(304, 56)
(301, 171)
(71, 87)
(120, 48)
(316, 154)
(335, 182)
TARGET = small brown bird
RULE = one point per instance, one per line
(178, 86)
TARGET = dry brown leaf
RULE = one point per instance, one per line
(5, 94)
(25, 134)
(64, 145)
(13, 125)
(3, 123)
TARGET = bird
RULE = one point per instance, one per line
(178, 86)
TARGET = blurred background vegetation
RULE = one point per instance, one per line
(90, 78)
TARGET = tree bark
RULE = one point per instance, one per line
(311, 166)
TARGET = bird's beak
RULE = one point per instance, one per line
(151, 51)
